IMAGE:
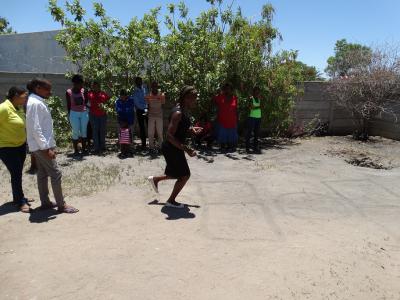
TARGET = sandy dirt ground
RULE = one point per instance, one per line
(303, 220)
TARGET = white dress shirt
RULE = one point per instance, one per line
(39, 124)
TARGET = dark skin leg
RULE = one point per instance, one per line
(179, 184)
(75, 145)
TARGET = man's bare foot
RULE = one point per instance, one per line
(67, 209)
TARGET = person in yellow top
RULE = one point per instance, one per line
(254, 121)
(13, 141)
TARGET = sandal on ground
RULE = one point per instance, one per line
(29, 200)
(24, 208)
(49, 205)
(67, 209)
(175, 204)
(153, 185)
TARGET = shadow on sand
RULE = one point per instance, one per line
(175, 213)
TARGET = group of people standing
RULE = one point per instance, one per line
(26, 120)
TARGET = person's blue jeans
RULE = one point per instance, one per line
(14, 159)
(99, 129)
(79, 121)
(253, 128)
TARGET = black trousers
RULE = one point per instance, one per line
(253, 126)
(142, 120)
(14, 159)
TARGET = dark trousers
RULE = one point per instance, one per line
(253, 128)
(99, 129)
(142, 120)
(14, 159)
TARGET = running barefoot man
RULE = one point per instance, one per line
(174, 147)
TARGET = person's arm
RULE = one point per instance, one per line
(172, 127)
(68, 98)
(3, 116)
(86, 96)
(135, 99)
(162, 99)
(118, 107)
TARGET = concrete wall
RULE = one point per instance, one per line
(7, 80)
(32, 52)
(316, 103)
(387, 125)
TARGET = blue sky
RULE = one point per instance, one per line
(310, 26)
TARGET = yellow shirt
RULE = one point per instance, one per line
(12, 125)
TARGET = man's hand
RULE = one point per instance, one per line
(50, 153)
(191, 153)
(197, 130)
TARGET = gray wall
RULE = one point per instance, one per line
(32, 52)
(315, 102)
(7, 80)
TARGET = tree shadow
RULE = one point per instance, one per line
(175, 213)
(8, 208)
(39, 215)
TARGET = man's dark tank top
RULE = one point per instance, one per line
(183, 126)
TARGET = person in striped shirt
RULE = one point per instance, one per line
(125, 139)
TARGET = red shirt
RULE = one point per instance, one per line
(95, 99)
(227, 111)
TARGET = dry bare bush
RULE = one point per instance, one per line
(369, 89)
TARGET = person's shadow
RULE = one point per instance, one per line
(175, 213)
(8, 208)
(38, 215)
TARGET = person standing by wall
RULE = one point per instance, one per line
(141, 108)
(254, 120)
(155, 100)
(32, 169)
(77, 101)
(40, 136)
(227, 118)
(125, 109)
(13, 142)
(98, 117)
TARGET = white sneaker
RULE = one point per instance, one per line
(153, 185)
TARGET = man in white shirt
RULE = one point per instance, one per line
(40, 136)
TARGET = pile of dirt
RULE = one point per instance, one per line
(367, 155)
(367, 162)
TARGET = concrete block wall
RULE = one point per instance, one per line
(387, 125)
(316, 103)
(7, 80)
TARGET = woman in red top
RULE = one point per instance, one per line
(98, 117)
(227, 118)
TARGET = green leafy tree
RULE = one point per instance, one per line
(347, 56)
(219, 45)
(4, 26)
(60, 120)
(309, 73)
